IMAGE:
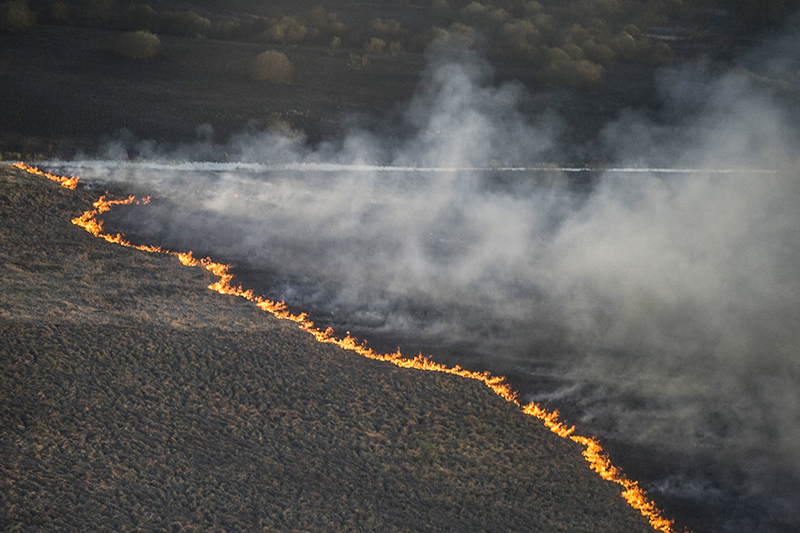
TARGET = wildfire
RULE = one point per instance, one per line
(593, 452)
(69, 183)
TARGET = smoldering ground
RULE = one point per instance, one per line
(660, 309)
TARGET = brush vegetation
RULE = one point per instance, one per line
(272, 67)
(15, 15)
(516, 32)
(131, 397)
(137, 45)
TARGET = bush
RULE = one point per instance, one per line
(518, 33)
(383, 28)
(283, 30)
(16, 15)
(336, 42)
(655, 54)
(573, 51)
(623, 45)
(422, 40)
(375, 46)
(138, 45)
(322, 26)
(474, 13)
(230, 30)
(317, 17)
(570, 73)
(272, 67)
(556, 54)
(598, 53)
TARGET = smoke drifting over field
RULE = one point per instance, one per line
(663, 309)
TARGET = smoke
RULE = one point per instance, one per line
(662, 308)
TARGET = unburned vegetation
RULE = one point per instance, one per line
(569, 43)
(137, 45)
(272, 67)
(66, 90)
(15, 15)
(193, 411)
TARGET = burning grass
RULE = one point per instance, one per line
(265, 427)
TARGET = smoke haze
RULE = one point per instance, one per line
(661, 309)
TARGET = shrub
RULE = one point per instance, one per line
(272, 67)
(394, 48)
(556, 54)
(383, 28)
(575, 34)
(293, 30)
(570, 73)
(323, 25)
(16, 15)
(421, 41)
(633, 30)
(518, 41)
(598, 53)
(623, 45)
(474, 12)
(655, 54)
(227, 29)
(573, 51)
(317, 17)
(138, 45)
(336, 28)
(497, 18)
(375, 46)
(283, 30)
(532, 8)
(336, 42)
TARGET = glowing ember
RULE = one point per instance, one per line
(593, 452)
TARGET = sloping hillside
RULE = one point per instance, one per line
(131, 397)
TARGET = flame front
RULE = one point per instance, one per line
(69, 183)
(593, 452)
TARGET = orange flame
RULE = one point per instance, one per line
(69, 183)
(593, 452)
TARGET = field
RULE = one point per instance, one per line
(132, 397)
(66, 90)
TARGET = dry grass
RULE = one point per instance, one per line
(158, 418)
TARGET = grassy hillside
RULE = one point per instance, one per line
(133, 398)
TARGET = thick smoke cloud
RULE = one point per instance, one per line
(665, 307)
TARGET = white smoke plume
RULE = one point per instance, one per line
(665, 305)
